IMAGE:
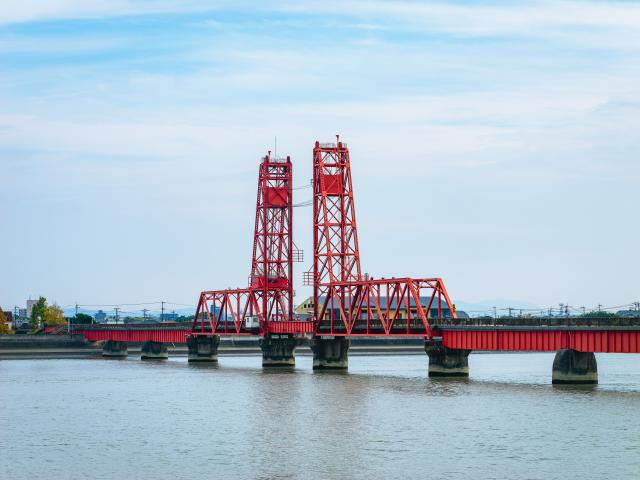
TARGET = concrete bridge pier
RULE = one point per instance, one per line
(154, 351)
(114, 349)
(278, 350)
(446, 362)
(330, 353)
(573, 367)
(203, 348)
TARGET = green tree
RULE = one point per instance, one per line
(53, 315)
(4, 326)
(82, 319)
(37, 313)
(600, 314)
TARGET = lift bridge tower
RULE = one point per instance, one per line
(265, 306)
(346, 302)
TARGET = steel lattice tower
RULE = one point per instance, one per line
(336, 253)
(272, 263)
(345, 303)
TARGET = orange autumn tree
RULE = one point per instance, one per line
(4, 326)
(53, 315)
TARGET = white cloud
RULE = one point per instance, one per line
(38, 10)
(483, 19)
(426, 131)
(596, 24)
(523, 18)
(555, 125)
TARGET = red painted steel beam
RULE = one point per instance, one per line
(582, 340)
(134, 336)
(372, 307)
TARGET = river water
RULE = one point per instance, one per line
(384, 419)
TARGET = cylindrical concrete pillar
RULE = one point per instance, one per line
(154, 351)
(278, 350)
(203, 348)
(446, 362)
(114, 349)
(573, 367)
(330, 353)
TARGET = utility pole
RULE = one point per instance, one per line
(599, 308)
(116, 309)
(69, 321)
(584, 310)
(495, 314)
(162, 311)
(144, 313)
(510, 309)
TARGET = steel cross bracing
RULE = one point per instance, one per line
(271, 266)
(336, 257)
(345, 303)
(266, 305)
(388, 307)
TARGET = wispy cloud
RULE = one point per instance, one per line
(40, 10)
(464, 119)
(479, 19)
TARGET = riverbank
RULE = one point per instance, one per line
(75, 346)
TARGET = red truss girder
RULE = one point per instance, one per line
(239, 312)
(374, 307)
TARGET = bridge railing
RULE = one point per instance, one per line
(131, 326)
(541, 322)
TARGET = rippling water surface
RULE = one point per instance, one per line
(384, 419)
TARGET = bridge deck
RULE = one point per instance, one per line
(584, 334)
(582, 339)
(618, 335)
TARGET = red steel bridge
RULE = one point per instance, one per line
(346, 302)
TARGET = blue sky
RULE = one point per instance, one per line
(494, 144)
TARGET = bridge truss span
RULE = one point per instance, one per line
(240, 312)
(397, 306)
(268, 299)
(347, 302)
